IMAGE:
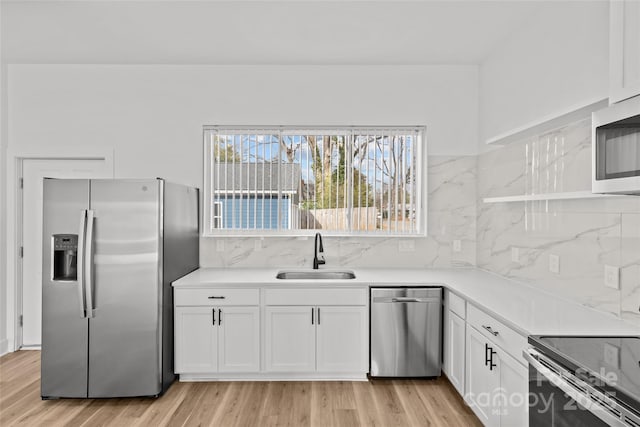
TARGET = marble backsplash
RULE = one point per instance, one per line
(451, 216)
(512, 239)
(515, 239)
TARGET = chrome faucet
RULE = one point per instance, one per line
(318, 249)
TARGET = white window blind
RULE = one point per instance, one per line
(352, 180)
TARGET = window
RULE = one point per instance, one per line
(279, 180)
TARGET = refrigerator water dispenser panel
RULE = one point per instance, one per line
(65, 257)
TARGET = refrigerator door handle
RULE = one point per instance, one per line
(80, 261)
(88, 259)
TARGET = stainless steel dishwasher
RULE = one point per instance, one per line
(406, 337)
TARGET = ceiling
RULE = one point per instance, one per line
(262, 32)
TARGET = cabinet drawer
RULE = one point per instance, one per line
(456, 304)
(315, 296)
(510, 341)
(216, 296)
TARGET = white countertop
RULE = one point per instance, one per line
(526, 309)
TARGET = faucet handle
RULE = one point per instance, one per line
(318, 251)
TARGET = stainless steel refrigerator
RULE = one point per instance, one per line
(111, 249)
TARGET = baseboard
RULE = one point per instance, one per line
(4, 347)
(264, 376)
(35, 347)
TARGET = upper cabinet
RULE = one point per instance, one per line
(624, 49)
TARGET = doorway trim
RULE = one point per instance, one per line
(15, 159)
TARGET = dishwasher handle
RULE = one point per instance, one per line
(401, 300)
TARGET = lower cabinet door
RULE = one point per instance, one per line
(342, 339)
(239, 339)
(196, 340)
(290, 339)
(482, 383)
(514, 385)
(454, 349)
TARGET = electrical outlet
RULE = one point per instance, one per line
(219, 245)
(611, 277)
(554, 263)
(515, 254)
(612, 355)
(406, 246)
(457, 245)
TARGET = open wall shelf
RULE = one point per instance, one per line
(548, 196)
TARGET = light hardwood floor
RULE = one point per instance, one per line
(319, 403)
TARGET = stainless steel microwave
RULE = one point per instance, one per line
(616, 148)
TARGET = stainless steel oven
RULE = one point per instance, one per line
(616, 148)
(584, 381)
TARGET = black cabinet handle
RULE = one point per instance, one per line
(312, 310)
(491, 331)
(318, 315)
(214, 316)
(215, 297)
(491, 364)
(486, 354)
(219, 316)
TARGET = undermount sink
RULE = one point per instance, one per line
(315, 275)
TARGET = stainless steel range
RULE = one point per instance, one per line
(584, 381)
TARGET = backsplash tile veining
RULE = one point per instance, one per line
(451, 215)
(587, 234)
(630, 267)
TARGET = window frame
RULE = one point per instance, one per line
(219, 217)
(207, 195)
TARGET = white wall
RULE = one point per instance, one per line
(262, 32)
(558, 60)
(157, 112)
(3, 210)
(152, 117)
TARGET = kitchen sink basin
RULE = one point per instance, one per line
(315, 275)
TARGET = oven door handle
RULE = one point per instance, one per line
(591, 405)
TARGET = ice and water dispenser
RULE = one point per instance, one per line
(65, 257)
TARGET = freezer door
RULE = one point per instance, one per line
(64, 327)
(124, 332)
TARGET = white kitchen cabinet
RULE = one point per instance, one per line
(454, 339)
(270, 332)
(317, 331)
(232, 344)
(341, 339)
(496, 384)
(196, 340)
(482, 382)
(624, 49)
(239, 339)
(514, 384)
(214, 337)
(497, 332)
(324, 339)
(454, 349)
(290, 339)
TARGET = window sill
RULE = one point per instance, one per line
(306, 236)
